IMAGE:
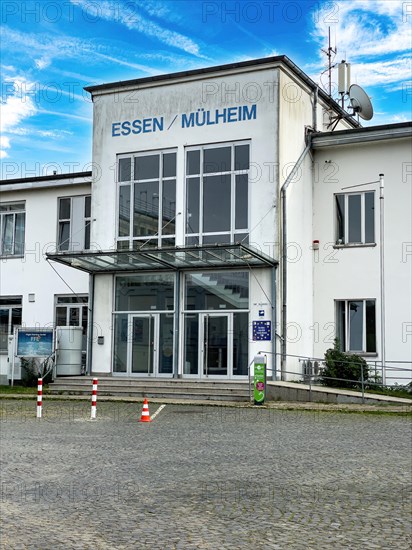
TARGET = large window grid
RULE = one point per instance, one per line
(355, 218)
(146, 200)
(74, 223)
(217, 193)
(356, 325)
(12, 229)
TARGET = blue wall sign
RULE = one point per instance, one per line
(34, 343)
(262, 330)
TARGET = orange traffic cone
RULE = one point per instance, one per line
(145, 412)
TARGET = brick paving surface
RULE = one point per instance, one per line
(201, 477)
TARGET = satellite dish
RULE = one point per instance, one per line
(360, 101)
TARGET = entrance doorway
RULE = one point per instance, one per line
(216, 345)
(150, 345)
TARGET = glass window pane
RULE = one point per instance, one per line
(124, 210)
(87, 236)
(10, 301)
(169, 207)
(370, 326)
(146, 168)
(193, 163)
(217, 160)
(169, 165)
(217, 290)
(216, 203)
(87, 206)
(354, 213)
(223, 238)
(240, 344)
(19, 233)
(355, 312)
(193, 197)
(166, 344)
(146, 209)
(341, 324)
(8, 230)
(125, 169)
(4, 329)
(64, 235)
(145, 292)
(16, 317)
(74, 316)
(64, 209)
(241, 211)
(191, 356)
(61, 316)
(369, 217)
(242, 157)
(340, 219)
(121, 337)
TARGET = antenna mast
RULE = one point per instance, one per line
(329, 53)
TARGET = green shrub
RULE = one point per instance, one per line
(346, 366)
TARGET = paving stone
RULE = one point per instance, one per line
(200, 477)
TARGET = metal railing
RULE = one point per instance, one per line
(313, 368)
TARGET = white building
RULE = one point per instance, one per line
(206, 182)
(38, 214)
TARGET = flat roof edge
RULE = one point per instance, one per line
(33, 179)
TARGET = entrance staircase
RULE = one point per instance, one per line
(155, 388)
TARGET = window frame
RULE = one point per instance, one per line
(5, 304)
(200, 236)
(84, 230)
(161, 237)
(345, 242)
(345, 345)
(13, 209)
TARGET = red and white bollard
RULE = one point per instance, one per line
(39, 396)
(94, 399)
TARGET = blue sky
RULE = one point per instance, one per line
(52, 49)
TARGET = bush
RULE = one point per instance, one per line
(346, 366)
(33, 369)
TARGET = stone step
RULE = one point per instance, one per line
(154, 388)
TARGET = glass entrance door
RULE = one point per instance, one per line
(215, 345)
(143, 356)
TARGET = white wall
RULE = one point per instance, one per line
(355, 272)
(32, 274)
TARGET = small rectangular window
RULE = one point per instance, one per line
(12, 229)
(356, 325)
(74, 223)
(355, 218)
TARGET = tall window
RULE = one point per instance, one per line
(147, 200)
(217, 192)
(355, 218)
(12, 228)
(10, 318)
(356, 325)
(74, 223)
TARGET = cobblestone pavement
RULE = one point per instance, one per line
(202, 477)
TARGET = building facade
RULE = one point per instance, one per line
(209, 191)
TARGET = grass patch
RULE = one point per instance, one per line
(20, 390)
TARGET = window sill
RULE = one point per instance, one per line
(363, 353)
(11, 256)
(355, 245)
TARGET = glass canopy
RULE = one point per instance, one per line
(149, 259)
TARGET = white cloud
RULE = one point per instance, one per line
(42, 63)
(373, 35)
(14, 109)
(133, 20)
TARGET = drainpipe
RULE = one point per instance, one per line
(284, 251)
(90, 307)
